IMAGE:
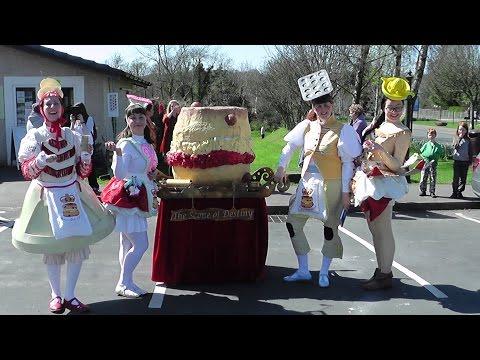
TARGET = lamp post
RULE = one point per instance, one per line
(409, 115)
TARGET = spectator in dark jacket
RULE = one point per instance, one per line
(357, 118)
(462, 158)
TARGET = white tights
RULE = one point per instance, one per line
(54, 272)
(132, 248)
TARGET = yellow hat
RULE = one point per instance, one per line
(396, 88)
(49, 85)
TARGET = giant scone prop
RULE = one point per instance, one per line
(211, 145)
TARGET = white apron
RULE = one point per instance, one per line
(65, 210)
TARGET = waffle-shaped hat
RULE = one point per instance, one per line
(315, 85)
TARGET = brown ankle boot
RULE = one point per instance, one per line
(377, 270)
(381, 281)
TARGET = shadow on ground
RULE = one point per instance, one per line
(272, 296)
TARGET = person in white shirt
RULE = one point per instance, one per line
(329, 150)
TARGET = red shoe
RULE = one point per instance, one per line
(55, 306)
(79, 307)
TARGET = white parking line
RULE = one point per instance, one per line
(3, 228)
(468, 218)
(436, 292)
(156, 301)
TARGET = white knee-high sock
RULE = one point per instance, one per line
(73, 271)
(53, 272)
(139, 241)
(303, 262)
(125, 246)
(325, 265)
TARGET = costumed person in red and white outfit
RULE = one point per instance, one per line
(380, 179)
(61, 216)
(131, 194)
(324, 189)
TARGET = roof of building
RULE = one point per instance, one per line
(83, 62)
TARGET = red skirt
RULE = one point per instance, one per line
(116, 194)
(375, 207)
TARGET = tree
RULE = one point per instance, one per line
(454, 75)
(181, 71)
(361, 68)
(139, 68)
(117, 61)
(416, 81)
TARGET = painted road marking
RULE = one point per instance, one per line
(467, 218)
(156, 301)
(436, 292)
(3, 228)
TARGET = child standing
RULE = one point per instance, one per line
(462, 158)
(431, 152)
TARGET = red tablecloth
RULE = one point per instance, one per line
(208, 251)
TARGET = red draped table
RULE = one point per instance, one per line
(210, 251)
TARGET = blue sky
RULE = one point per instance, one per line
(254, 55)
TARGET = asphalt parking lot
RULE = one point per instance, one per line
(436, 272)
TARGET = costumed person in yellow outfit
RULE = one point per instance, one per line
(324, 188)
(380, 180)
(61, 215)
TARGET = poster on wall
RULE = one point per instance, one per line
(28, 109)
(20, 97)
(112, 101)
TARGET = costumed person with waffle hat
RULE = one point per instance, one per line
(61, 215)
(131, 193)
(323, 191)
(380, 180)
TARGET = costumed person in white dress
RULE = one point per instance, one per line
(61, 216)
(324, 188)
(380, 179)
(131, 194)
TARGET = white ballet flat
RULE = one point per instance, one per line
(122, 290)
(139, 290)
(323, 281)
(298, 276)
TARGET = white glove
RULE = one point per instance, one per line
(43, 159)
(86, 157)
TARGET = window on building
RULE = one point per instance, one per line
(25, 97)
